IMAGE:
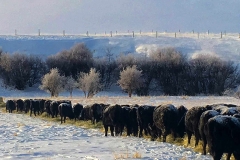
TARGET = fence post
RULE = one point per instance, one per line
(225, 33)
(208, 32)
(239, 35)
(105, 32)
(133, 33)
(175, 34)
(63, 32)
(221, 34)
(179, 30)
(111, 33)
(87, 33)
(140, 32)
(198, 35)
(39, 32)
(193, 31)
(15, 32)
(156, 34)
(116, 32)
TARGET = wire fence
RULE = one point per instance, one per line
(140, 33)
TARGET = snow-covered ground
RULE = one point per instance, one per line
(23, 137)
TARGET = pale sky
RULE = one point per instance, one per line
(79, 16)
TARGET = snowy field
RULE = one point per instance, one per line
(22, 137)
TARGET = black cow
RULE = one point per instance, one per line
(133, 120)
(34, 107)
(112, 117)
(26, 105)
(145, 118)
(47, 104)
(65, 110)
(182, 111)
(54, 108)
(77, 109)
(192, 122)
(86, 113)
(19, 105)
(166, 118)
(96, 111)
(41, 105)
(222, 134)
(10, 106)
(202, 122)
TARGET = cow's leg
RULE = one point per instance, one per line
(197, 137)
(61, 119)
(229, 156)
(164, 136)
(140, 131)
(204, 144)
(64, 119)
(217, 155)
(112, 130)
(106, 129)
(189, 134)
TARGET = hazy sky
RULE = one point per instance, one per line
(79, 16)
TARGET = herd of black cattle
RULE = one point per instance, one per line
(217, 125)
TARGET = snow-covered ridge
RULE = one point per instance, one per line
(226, 47)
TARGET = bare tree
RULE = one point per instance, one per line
(52, 82)
(89, 83)
(70, 84)
(130, 79)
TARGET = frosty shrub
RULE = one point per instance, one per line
(52, 82)
(69, 84)
(71, 62)
(19, 70)
(130, 79)
(89, 83)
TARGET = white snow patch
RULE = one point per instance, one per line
(23, 137)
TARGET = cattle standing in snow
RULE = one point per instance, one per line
(65, 110)
(96, 111)
(112, 117)
(47, 104)
(167, 119)
(19, 105)
(133, 120)
(77, 109)
(181, 120)
(202, 122)
(192, 122)
(34, 107)
(86, 113)
(10, 106)
(145, 118)
(26, 105)
(41, 105)
(130, 120)
(54, 108)
(222, 134)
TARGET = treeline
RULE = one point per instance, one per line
(165, 70)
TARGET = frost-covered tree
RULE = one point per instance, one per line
(130, 79)
(70, 84)
(89, 83)
(52, 82)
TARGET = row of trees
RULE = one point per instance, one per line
(165, 70)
